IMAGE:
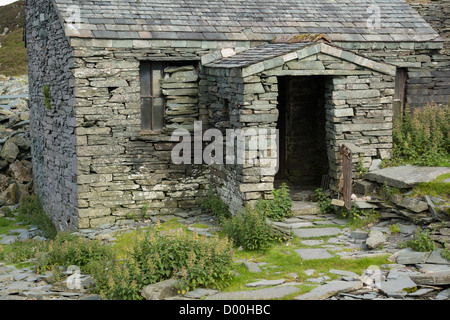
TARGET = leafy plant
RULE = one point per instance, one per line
(423, 137)
(67, 250)
(359, 218)
(214, 204)
(324, 201)
(46, 93)
(144, 210)
(422, 241)
(362, 171)
(394, 228)
(433, 188)
(386, 191)
(30, 211)
(21, 251)
(196, 261)
(279, 207)
(250, 230)
(446, 252)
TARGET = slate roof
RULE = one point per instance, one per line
(340, 20)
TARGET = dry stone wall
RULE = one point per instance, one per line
(437, 80)
(50, 64)
(426, 64)
(123, 171)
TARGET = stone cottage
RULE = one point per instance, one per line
(110, 81)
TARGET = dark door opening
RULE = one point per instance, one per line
(303, 150)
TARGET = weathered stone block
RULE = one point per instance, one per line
(346, 112)
(356, 94)
(94, 212)
(93, 131)
(102, 150)
(95, 222)
(252, 88)
(264, 117)
(9, 151)
(364, 187)
(148, 195)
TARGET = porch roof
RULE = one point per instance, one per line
(270, 56)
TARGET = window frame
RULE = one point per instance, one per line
(149, 65)
(401, 77)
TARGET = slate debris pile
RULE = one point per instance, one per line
(15, 141)
(429, 212)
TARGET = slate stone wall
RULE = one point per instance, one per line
(123, 171)
(50, 63)
(437, 80)
(426, 64)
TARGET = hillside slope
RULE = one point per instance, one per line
(13, 54)
(12, 17)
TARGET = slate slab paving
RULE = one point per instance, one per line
(309, 272)
(420, 292)
(266, 283)
(397, 273)
(432, 268)
(200, 293)
(330, 289)
(252, 267)
(406, 176)
(344, 273)
(435, 257)
(16, 287)
(310, 254)
(312, 242)
(261, 294)
(316, 232)
(8, 240)
(398, 287)
(409, 256)
(323, 222)
(443, 295)
(293, 225)
(341, 222)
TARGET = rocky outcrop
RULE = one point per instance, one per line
(15, 143)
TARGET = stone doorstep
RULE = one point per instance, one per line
(300, 208)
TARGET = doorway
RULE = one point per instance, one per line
(302, 128)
